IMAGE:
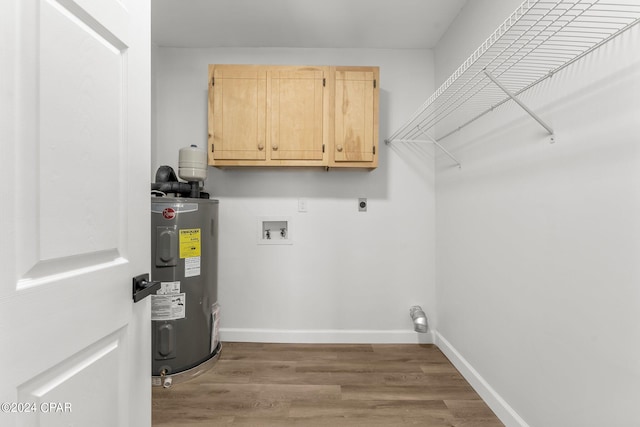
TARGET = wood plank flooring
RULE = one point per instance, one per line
(255, 384)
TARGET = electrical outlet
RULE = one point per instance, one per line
(362, 204)
(302, 205)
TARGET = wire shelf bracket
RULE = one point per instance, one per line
(431, 140)
(521, 104)
(539, 39)
(444, 150)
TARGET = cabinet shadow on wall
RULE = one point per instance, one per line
(277, 182)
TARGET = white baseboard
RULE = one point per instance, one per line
(503, 411)
(330, 336)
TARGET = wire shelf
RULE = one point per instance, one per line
(539, 39)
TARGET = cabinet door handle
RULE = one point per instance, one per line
(260, 147)
(339, 148)
(275, 147)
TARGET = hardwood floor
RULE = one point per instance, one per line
(337, 385)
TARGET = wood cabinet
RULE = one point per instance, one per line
(356, 117)
(296, 106)
(293, 116)
(237, 130)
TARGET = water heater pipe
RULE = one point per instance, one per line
(167, 182)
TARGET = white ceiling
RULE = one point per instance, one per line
(401, 24)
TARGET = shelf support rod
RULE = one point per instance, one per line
(444, 150)
(520, 103)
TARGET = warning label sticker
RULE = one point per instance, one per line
(192, 266)
(190, 243)
(168, 307)
(215, 326)
(169, 288)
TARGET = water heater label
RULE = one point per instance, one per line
(168, 307)
(215, 329)
(190, 243)
(169, 288)
(192, 266)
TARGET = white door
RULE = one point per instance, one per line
(74, 209)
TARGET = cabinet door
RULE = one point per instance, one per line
(296, 104)
(356, 116)
(237, 113)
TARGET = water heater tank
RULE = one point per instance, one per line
(184, 312)
(192, 164)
